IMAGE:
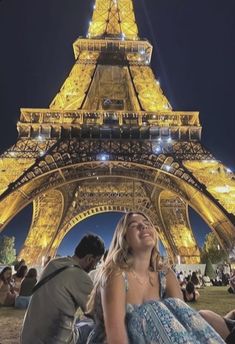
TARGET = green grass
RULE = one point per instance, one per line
(216, 299)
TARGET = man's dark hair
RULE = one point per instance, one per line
(190, 287)
(90, 244)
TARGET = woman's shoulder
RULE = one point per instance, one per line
(164, 269)
(116, 279)
(114, 275)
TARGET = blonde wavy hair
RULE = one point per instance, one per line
(119, 259)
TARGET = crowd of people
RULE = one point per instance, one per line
(16, 289)
(131, 297)
(224, 276)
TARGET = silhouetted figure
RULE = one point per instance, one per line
(26, 289)
(195, 280)
(18, 265)
(18, 277)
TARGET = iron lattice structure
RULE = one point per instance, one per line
(110, 141)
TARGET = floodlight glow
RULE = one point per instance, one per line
(41, 153)
(223, 189)
(103, 157)
(157, 149)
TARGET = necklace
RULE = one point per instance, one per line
(140, 280)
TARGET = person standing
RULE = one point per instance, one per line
(63, 287)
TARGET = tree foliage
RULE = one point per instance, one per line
(209, 270)
(213, 250)
(7, 250)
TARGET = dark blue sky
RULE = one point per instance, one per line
(194, 54)
(101, 224)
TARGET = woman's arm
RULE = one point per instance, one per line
(113, 297)
(172, 285)
(197, 295)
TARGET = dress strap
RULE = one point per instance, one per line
(162, 284)
(124, 275)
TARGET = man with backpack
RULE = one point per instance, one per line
(63, 287)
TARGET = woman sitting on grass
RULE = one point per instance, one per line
(189, 292)
(136, 299)
(7, 294)
(26, 289)
(18, 277)
(195, 280)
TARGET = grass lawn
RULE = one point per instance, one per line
(216, 299)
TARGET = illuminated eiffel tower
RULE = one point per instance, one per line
(110, 141)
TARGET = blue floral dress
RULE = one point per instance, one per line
(166, 321)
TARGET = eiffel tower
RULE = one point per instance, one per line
(110, 141)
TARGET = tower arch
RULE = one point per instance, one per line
(111, 124)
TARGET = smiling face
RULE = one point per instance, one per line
(140, 233)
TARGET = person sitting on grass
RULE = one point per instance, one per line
(206, 282)
(18, 264)
(225, 326)
(231, 289)
(7, 294)
(63, 288)
(18, 277)
(181, 279)
(136, 298)
(26, 289)
(189, 292)
(195, 280)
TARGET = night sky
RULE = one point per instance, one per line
(194, 60)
